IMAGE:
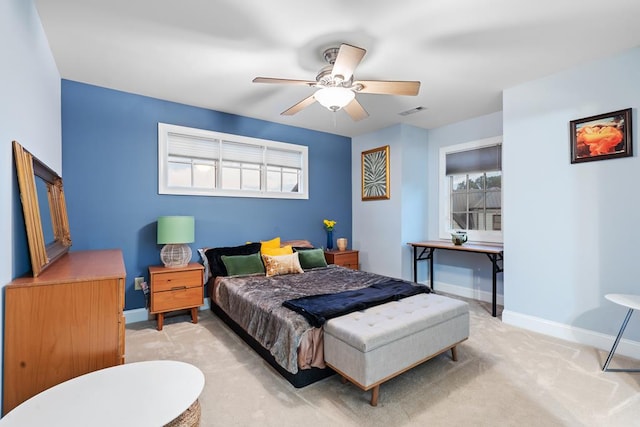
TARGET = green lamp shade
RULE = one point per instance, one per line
(174, 232)
(176, 229)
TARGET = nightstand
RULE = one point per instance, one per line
(176, 288)
(346, 258)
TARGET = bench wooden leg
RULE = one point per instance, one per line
(374, 395)
(454, 353)
(344, 379)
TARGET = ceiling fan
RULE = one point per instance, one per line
(336, 85)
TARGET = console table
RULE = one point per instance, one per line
(152, 393)
(423, 251)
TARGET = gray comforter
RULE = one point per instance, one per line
(255, 303)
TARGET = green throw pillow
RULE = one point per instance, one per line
(240, 265)
(312, 258)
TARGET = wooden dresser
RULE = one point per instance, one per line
(66, 322)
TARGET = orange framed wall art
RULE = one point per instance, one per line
(605, 136)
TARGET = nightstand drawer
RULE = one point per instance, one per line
(352, 265)
(176, 299)
(348, 259)
(176, 280)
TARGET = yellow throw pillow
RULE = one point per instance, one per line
(282, 264)
(273, 243)
(286, 250)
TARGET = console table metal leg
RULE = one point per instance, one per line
(495, 287)
(415, 264)
(431, 267)
(421, 257)
(494, 265)
(496, 269)
(605, 368)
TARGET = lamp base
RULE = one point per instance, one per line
(175, 255)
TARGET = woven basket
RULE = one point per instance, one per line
(189, 418)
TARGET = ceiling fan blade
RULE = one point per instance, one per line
(299, 106)
(347, 60)
(384, 87)
(284, 81)
(355, 110)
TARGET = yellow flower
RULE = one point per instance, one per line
(329, 224)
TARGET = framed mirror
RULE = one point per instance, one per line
(45, 210)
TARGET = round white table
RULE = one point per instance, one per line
(632, 302)
(149, 393)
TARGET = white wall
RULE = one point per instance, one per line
(29, 113)
(571, 232)
(382, 228)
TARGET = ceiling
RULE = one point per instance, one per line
(205, 53)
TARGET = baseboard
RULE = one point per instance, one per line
(571, 333)
(142, 314)
(465, 292)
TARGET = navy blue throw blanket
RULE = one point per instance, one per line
(317, 309)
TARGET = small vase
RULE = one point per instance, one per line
(329, 239)
(342, 244)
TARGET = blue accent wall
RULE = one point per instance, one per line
(110, 161)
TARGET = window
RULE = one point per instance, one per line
(471, 189)
(201, 162)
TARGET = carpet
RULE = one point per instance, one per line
(504, 376)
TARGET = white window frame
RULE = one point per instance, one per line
(164, 131)
(444, 232)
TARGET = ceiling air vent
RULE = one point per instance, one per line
(411, 111)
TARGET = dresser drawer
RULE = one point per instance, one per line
(176, 280)
(177, 299)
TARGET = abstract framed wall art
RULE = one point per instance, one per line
(605, 136)
(375, 174)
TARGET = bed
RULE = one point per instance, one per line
(252, 305)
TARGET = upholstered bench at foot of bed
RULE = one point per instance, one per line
(372, 346)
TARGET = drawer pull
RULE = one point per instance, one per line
(178, 288)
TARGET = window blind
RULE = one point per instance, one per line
(485, 159)
(284, 158)
(239, 152)
(193, 147)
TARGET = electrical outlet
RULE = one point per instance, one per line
(137, 283)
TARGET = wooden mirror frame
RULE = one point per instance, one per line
(28, 168)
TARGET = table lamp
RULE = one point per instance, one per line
(174, 232)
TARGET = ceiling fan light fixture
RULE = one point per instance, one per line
(334, 98)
